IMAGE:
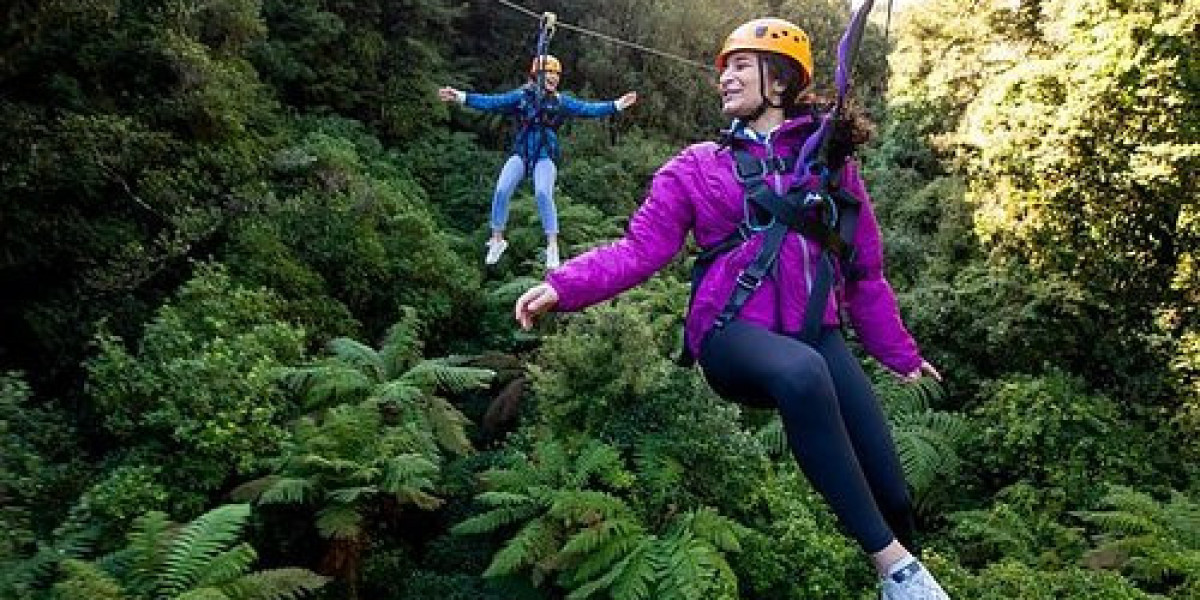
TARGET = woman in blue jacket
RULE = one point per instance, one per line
(535, 150)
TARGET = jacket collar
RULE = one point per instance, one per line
(791, 132)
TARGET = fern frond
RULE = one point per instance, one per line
(401, 345)
(512, 480)
(635, 576)
(587, 506)
(712, 527)
(350, 495)
(146, 550)
(449, 426)
(339, 522)
(772, 437)
(597, 549)
(360, 356)
(597, 459)
(399, 391)
(508, 292)
(338, 384)
(288, 490)
(85, 580)
(495, 519)
(535, 541)
(198, 543)
(276, 584)
(326, 384)
(251, 490)
(228, 565)
(408, 470)
(207, 593)
(438, 374)
(503, 499)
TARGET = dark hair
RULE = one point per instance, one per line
(852, 129)
(787, 70)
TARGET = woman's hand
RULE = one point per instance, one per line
(534, 303)
(449, 94)
(924, 369)
(624, 102)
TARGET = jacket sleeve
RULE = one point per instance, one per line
(655, 235)
(870, 301)
(584, 108)
(495, 103)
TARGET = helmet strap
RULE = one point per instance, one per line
(762, 90)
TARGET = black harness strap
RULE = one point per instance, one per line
(829, 216)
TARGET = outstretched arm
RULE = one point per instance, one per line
(588, 108)
(495, 103)
(655, 234)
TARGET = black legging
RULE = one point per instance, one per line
(834, 424)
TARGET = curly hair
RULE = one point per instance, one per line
(853, 127)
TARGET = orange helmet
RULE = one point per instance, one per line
(770, 35)
(547, 63)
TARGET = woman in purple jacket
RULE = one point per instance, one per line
(834, 423)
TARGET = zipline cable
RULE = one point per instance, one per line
(609, 38)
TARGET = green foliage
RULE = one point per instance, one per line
(197, 397)
(40, 462)
(374, 442)
(129, 133)
(395, 380)
(1156, 543)
(1051, 432)
(351, 223)
(199, 560)
(377, 62)
(928, 441)
(796, 550)
(605, 376)
(1024, 524)
(593, 538)
(1011, 579)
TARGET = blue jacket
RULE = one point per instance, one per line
(537, 138)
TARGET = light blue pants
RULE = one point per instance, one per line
(511, 175)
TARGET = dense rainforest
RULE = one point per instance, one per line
(249, 347)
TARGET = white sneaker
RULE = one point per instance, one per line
(912, 581)
(495, 251)
(552, 260)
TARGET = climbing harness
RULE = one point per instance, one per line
(825, 212)
(537, 107)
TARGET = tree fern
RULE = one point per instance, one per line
(275, 584)
(197, 544)
(84, 580)
(228, 565)
(446, 375)
(538, 539)
(448, 425)
(287, 490)
(202, 560)
(401, 346)
(927, 440)
(340, 522)
(1156, 540)
(360, 356)
(633, 578)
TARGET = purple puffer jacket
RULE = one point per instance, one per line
(697, 191)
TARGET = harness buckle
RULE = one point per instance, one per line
(748, 282)
(754, 174)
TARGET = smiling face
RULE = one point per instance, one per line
(740, 84)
